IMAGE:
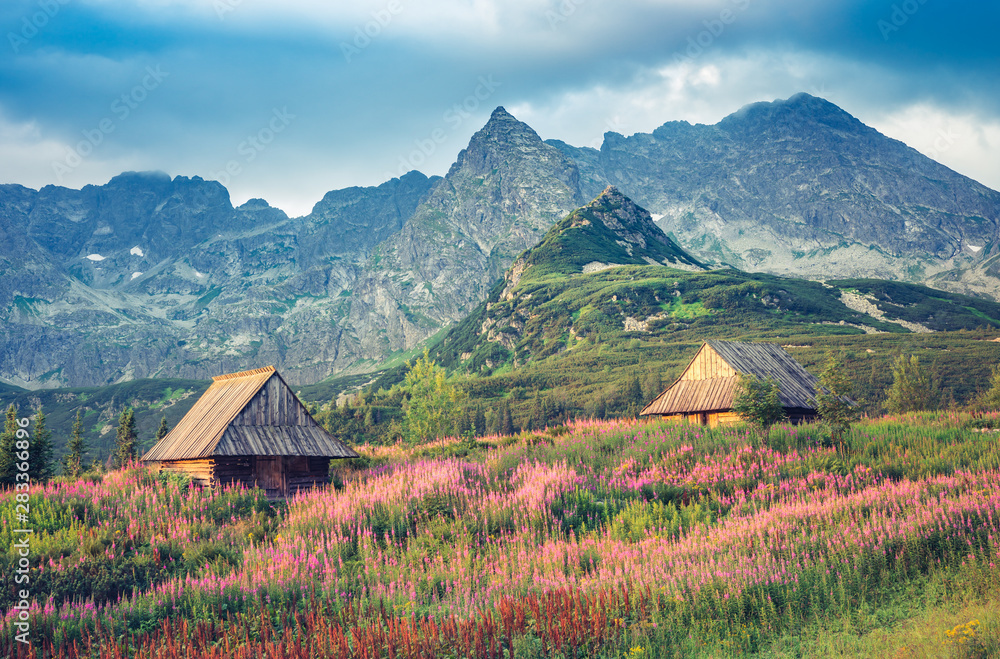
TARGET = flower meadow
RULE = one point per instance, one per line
(602, 538)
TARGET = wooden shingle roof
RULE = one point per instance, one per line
(709, 390)
(225, 422)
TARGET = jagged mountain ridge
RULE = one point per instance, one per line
(795, 186)
(801, 187)
(152, 276)
(501, 195)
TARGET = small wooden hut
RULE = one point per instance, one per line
(250, 428)
(703, 394)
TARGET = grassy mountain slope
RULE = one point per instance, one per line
(609, 230)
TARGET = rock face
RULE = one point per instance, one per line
(148, 276)
(505, 190)
(153, 276)
(801, 187)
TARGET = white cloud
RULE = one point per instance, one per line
(967, 143)
(30, 157)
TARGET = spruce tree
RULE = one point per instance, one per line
(125, 440)
(162, 431)
(73, 464)
(8, 448)
(40, 468)
(480, 421)
(537, 419)
(633, 393)
(506, 420)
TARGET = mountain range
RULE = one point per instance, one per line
(149, 276)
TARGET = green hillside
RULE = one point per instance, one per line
(609, 230)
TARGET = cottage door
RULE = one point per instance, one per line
(270, 475)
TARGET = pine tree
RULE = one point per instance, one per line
(73, 463)
(833, 404)
(8, 448)
(125, 439)
(537, 420)
(912, 389)
(480, 421)
(463, 425)
(162, 431)
(41, 467)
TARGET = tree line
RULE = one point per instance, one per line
(40, 455)
(430, 404)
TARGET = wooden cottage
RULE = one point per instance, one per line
(703, 394)
(250, 428)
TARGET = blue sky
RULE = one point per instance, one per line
(287, 100)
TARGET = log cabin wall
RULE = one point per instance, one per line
(305, 473)
(234, 470)
(200, 471)
(278, 476)
(284, 476)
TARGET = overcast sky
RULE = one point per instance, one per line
(287, 100)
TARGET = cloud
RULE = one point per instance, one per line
(373, 84)
(967, 143)
(28, 157)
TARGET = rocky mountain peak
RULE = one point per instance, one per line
(492, 146)
(796, 113)
(631, 224)
(611, 230)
